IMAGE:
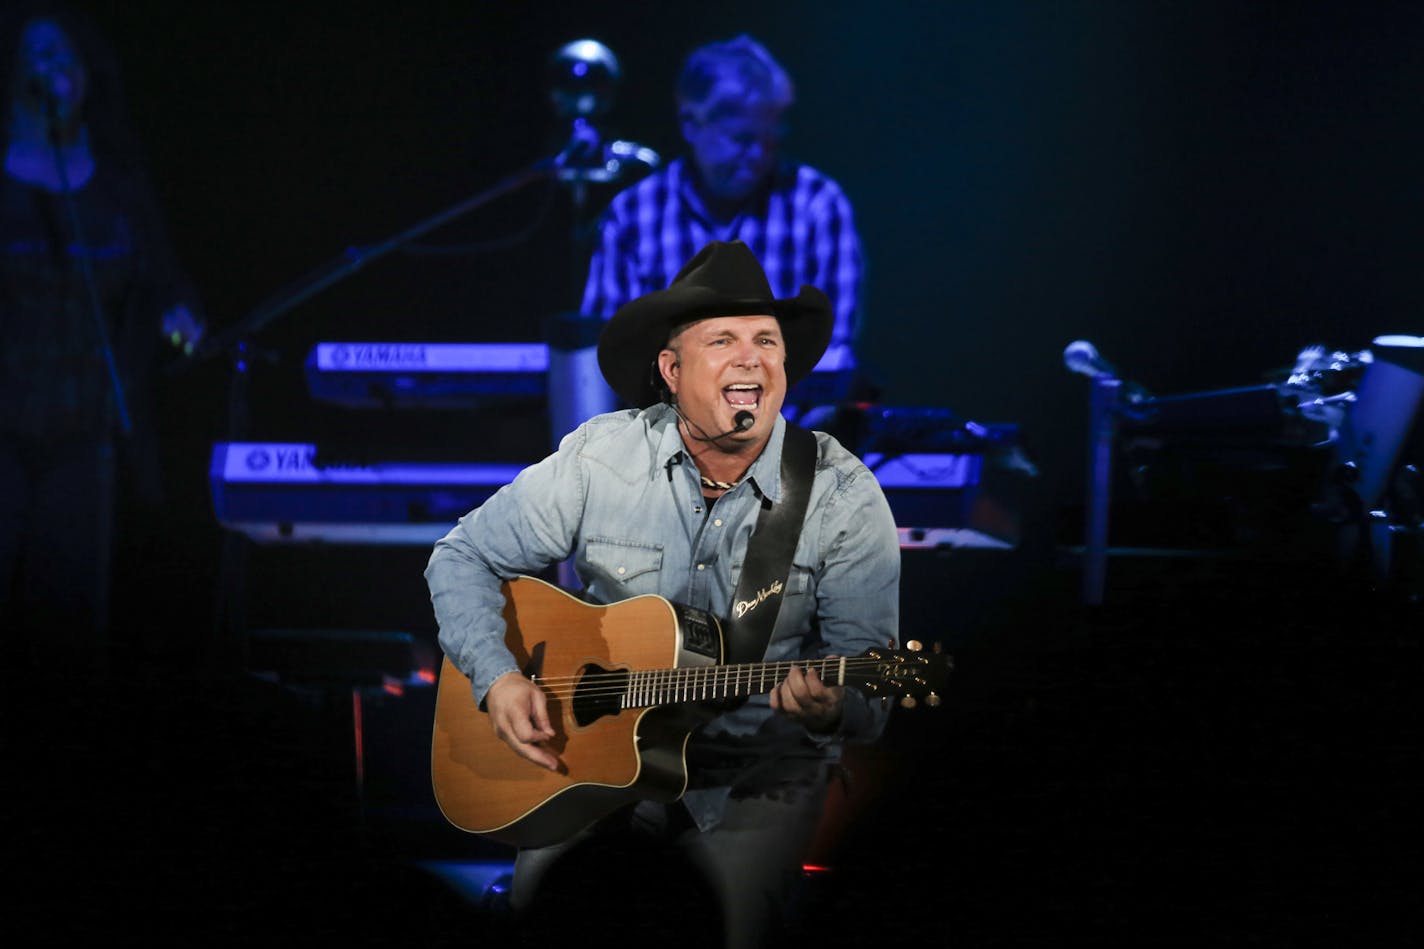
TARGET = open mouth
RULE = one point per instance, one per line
(742, 395)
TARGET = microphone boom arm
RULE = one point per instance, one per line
(355, 258)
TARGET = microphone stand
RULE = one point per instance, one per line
(356, 258)
(1110, 399)
(86, 271)
(576, 388)
(1103, 405)
(228, 647)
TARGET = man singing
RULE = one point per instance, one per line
(666, 498)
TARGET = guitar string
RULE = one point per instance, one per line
(738, 670)
(683, 679)
(732, 672)
(722, 673)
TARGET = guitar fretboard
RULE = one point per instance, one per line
(707, 683)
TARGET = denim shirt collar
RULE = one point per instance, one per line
(764, 474)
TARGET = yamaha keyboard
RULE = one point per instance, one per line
(278, 492)
(284, 493)
(472, 375)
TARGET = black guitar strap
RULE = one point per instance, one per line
(767, 566)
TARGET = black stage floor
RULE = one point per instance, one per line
(1222, 754)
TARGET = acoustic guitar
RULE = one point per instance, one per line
(626, 685)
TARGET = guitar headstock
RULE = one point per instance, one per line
(910, 674)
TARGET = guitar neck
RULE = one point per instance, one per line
(650, 687)
(709, 683)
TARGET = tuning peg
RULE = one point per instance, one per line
(914, 645)
(932, 700)
(908, 702)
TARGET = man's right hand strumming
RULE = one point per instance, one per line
(519, 714)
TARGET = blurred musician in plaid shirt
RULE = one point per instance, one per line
(734, 184)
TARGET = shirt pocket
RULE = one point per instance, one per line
(623, 561)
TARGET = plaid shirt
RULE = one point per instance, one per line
(800, 229)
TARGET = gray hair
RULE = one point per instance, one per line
(729, 74)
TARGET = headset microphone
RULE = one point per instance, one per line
(741, 422)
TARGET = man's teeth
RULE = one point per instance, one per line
(743, 394)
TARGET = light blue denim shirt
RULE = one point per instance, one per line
(623, 498)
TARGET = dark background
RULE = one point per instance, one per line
(1201, 189)
(1218, 754)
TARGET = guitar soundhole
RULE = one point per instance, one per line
(599, 692)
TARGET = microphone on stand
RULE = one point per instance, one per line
(624, 151)
(584, 76)
(587, 157)
(1082, 357)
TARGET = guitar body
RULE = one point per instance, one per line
(611, 756)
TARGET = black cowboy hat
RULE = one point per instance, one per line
(724, 279)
